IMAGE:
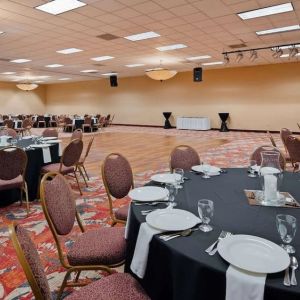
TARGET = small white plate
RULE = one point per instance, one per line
(148, 193)
(40, 145)
(172, 219)
(213, 171)
(48, 138)
(165, 177)
(254, 254)
(54, 141)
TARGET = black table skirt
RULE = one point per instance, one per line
(180, 268)
(32, 175)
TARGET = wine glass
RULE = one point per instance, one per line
(172, 194)
(286, 227)
(252, 164)
(178, 174)
(206, 212)
(205, 170)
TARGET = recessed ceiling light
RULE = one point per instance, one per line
(39, 81)
(198, 57)
(8, 73)
(20, 60)
(213, 63)
(171, 47)
(54, 66)
(69, 51)
(42, 77)
(1, 32)
(58, 6)
(134, 65)
(284, 55)
(142, 36)
(89, 71)
(110, 74)
(101, 58)
(278, 30)
(267, 11)
(64, 78)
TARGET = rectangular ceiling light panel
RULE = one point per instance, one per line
(101, 58)
(57, 7)
(69, 51)
(142, 36)
(279, 30)
(171, 47)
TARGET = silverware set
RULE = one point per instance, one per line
(288, 281)
(183, 233)
(212, 249)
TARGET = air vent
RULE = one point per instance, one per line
(5, 59)
(237, 46)
(108, 37)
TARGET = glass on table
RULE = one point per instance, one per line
(286, 227)
(252, 165)
(205, 170)
(179, 174)
(206, 212)
(172, 194)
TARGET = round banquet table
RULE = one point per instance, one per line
(34, 165)
(181, 269)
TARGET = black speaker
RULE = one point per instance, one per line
(113, 81)
(197, 74)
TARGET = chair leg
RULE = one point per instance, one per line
(86, 174)
(77, 182)
(27, 198)
(77, 276)
(82, 175)
(64, 283)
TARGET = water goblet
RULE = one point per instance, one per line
(172, 194)
(178, 173)
(206, 212)
(252, 164)
(205, 169)
(286, 227)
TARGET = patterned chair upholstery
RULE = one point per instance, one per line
(183, 157)
(50, 133)
(256, 155)
(101, 248)
(293, 148)
(68, 162)
(87, 124)
(271, 139)
(284, 134)
(8, 123)
(118, 180)
(77, 134)
(10, 132)
(13, 162)
(68, 124)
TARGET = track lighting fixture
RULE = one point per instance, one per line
(253, 55)
(239, 57)
(226, 59)
(293, 51)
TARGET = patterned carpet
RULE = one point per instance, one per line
(93, 208)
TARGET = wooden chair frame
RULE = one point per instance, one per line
(81, 166)
(110, 197)
(271, 139)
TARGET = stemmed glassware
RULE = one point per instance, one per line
(179, 174)
(252, 164)
(205, 170)
(206, 212)
(172, 194)
(286, 227)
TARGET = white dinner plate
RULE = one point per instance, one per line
(165, 177)
(48, 138)
(212, 170)
(254, 254)
(54, 141)
(40, 145)
(171, 219)
(148, 193)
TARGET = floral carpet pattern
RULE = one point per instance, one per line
(93, 209)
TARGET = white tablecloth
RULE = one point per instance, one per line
(194, 123)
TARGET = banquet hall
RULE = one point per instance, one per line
(149, 149)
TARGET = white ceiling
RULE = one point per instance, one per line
(207, 27)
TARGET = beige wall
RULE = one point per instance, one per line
(259, 97)
(15, 101)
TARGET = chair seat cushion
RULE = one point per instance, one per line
(11, 184)
(55, 168)
(104, 246)
(113, 287)
(122, 213)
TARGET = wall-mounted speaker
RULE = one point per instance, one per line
(113, 81)
(197, 72)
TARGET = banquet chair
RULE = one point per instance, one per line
(111, 120)
(118, 180)
(53, 121)
(115, 285)
(68, 161)
(60, 122)
(98, 249)
(107, 119)
(256, 155)
(102, 121)
(77, 134)
(5, 117)
(293, 148)
(8, 123)
(284, 134)
(87, 124)
(50, 133)
(271, 139)
(298, 124)
(41, 121)
(82, 159)
(184, 157)
(13, 163)
(68, 124)
(9, 131)
(26, 127)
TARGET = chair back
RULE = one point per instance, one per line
(72, 153)
(9, 131)
(88, 120)
(108, 117)
(40, 118)
(77, 134)
(8, 123)
(26, 123)
(20, 117)
(68, 121)
(117, 175)
(13, 162)
(184, 157)
(284, 134)
(30, 261)
(88, 148)
(271, 139)
(256, 155)
(293, 148)
(5, 117)
(50, 133)
(102, 120)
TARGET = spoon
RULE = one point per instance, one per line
(294, 266)
(183, 233)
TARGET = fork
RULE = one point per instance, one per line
(221, 236)
(213, 252)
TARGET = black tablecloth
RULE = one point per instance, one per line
(180, 268)
(34, 165)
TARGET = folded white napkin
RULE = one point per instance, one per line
(140, 256)
(46, 155)
(60, 151)
(127, 223)
(244, 285)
